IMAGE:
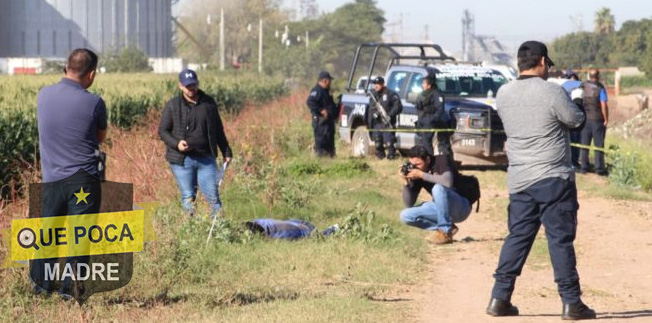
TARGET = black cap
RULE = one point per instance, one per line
(535, 48)
(325, 75)
(378, 80)
(431, 78)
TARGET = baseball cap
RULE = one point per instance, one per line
(378, 80)
(188, 77)
(325, 75)
(535, 48)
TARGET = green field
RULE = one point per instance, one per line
(128, 98)
(370, 272)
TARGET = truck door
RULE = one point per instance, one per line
(408, 118)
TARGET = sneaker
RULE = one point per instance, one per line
(439, 237)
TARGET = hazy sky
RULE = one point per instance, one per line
(510, 21)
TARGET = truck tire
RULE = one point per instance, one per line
(361, 142)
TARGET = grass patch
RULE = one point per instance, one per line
(353, 276)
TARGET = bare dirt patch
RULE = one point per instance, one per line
(614, 260)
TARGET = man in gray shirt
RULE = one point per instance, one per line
(537, 116)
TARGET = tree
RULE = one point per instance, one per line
(241, 27)
(130, 60)
(309, 9)
(629, 46)
(604, 21)
(333, 37)
(349, 26)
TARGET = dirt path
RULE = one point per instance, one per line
(614, 260)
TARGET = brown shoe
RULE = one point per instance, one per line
(453, 231)
(439, 237)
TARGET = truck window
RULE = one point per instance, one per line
(469, 85)
(397, 81)
(414, 87)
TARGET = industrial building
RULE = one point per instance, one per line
(52, 28)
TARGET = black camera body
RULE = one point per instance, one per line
(406, 168)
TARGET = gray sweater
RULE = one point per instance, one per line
(537, 116)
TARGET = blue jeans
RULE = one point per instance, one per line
(197, 170)
(447, 207)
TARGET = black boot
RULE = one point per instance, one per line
(380, 150)
(577, 311)
(501, 308)
(391, 151)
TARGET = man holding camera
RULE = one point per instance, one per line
(391, 103)
(436, 176)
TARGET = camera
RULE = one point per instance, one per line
(405, 169)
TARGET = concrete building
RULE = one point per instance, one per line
(52, 28)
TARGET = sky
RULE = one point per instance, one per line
(510, 21)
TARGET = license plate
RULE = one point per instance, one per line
(467, 142)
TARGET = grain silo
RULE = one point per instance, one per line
(52, 28)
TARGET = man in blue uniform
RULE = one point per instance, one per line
(430, 112)
(391, 103)
(324, 113)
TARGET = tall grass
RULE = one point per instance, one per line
(238, 276)
(128, 97)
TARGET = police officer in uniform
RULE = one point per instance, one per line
(391, 102)
(430, 110)
(324, 112)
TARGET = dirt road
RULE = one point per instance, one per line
(614, 260)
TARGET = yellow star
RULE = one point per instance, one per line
(81, 196)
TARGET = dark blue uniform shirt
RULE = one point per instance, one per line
(69, 118)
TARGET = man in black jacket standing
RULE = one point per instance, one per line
(324, 113)
(430, 110)
(192, 131)
(391, 103)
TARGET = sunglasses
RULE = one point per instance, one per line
(549, 63)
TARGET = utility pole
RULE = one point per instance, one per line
(222, 39)
(578, 24)
(126, 23)
(468, 36)
(427, 37)
(307, 39)
(260, 47)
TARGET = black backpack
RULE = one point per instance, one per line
(469, 187)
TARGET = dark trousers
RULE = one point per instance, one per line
(384, 137)
(443, 138)
(58, 199)
(324, 132)
(596, 131)
(575, 138)
(443, 142)
(553, 203)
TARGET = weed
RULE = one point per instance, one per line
(359, 225)
(623, 167)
